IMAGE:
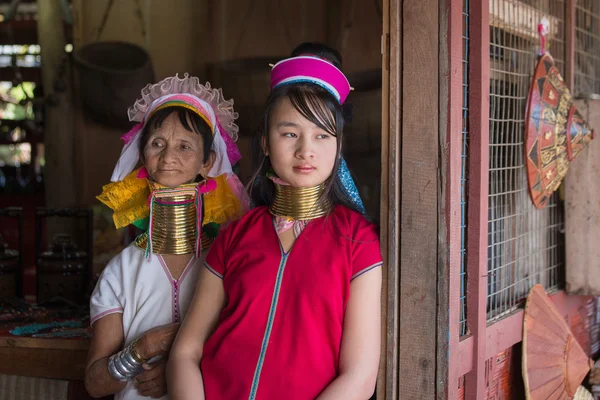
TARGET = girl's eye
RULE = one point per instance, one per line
(322, 136)
(290, 135)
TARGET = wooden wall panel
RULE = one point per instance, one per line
(582, 212)
(241, 29)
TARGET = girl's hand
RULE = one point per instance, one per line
(153, 381)
(157, 341)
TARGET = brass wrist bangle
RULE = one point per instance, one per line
(135, 354)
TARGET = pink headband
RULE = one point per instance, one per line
(314, 70)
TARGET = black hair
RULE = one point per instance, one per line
(317, 105)
(190, 121)
(320, 50)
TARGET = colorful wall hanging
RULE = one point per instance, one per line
(555, 132)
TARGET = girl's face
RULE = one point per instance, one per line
(301, 153)
(173, 155)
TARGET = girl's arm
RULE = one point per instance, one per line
(184, 378)
(359, 354)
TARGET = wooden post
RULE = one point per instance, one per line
(449, 221)
(479, 158)
(58, 132)
(570, 45)
(391, 45)
(419, 190)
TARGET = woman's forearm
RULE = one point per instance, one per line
(184, 378)
(98, 380)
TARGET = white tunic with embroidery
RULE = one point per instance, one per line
(145, 293)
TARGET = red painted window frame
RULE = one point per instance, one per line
(468, 354)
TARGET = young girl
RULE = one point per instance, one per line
(185, 139)
(288, 306)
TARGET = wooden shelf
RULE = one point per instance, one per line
(45, 358)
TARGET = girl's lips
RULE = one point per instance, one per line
(304, 169)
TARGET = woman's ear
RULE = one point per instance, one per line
(205, 168)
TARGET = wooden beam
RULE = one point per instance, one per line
(465, 356)
(391, 44)
(81, 141)
(477, 221)
(419, 200)
(504, 334)
(570, 11)
(449, 207)
(58, 134)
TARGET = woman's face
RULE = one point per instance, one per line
(173, 155)
(301, 153)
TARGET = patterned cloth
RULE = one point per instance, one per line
(283, 224)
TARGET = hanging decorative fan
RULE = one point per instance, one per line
(554, 364)
(555, 132)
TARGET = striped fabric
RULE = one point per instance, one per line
(26, 388)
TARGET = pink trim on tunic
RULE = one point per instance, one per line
(105, 313)
(175, 286)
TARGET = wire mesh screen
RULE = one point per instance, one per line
(464, 167)
(524, 244)
(587, 46)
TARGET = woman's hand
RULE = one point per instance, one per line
(153, 381)
(157, 341)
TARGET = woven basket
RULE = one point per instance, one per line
(111, 76)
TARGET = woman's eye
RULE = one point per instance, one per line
(185, 147)
(290, 135)
(322, 136)
(157, 144)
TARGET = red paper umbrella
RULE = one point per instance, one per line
(554, 364)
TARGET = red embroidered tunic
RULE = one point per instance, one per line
(280, 333)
